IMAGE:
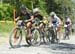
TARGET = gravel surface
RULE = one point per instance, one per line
(64, 47)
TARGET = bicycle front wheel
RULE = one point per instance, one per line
(48, 36)
(15, 37)
(35, 37)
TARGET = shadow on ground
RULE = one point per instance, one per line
(61, 46)
(55, 46)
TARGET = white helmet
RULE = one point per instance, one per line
(52, 13)
(35, 10)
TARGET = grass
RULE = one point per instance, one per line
(5, 27)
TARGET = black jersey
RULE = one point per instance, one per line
(40, 17)
(24, 16)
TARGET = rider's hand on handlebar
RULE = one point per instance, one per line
(65, 25)
(26, 21)
(41, 21)
(16, 19)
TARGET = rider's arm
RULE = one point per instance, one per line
(58, 20)
(31, 18)
(50, 21)
(17, 18)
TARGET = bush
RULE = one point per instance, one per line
(5, 11)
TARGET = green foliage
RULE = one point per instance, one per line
(61, 7)
(5, 11)
(42, 6)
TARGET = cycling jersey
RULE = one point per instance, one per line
(67, 21)
(24, 16)
(54, 20)
(40, 17)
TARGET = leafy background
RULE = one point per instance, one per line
(61, 7)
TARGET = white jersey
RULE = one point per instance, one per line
(68, 20)
(58, 19)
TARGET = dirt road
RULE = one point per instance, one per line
(64, 47)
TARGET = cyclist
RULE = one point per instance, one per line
(67, 25)
(45, 20)
(41, 25)
(27, 17)
(37, 15)
(54, 22)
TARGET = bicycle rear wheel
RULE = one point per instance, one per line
(15, 37)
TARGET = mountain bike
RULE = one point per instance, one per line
(53, 33)
(15, 37)
(48, 34)
(37, 34)
(67, 32)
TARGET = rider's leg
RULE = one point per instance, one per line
(41, 28)
(15, 35)
(55, 31)
(68, 32)
(28, 25)
(65, 33)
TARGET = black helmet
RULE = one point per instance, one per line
(66, 17)
(22, 7)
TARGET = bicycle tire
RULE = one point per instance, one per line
(35, 37)
(19, 32)
(48, 36)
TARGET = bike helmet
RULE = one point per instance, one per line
(52, 13)
(36, 10)
(23, 7)
(66, 17)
